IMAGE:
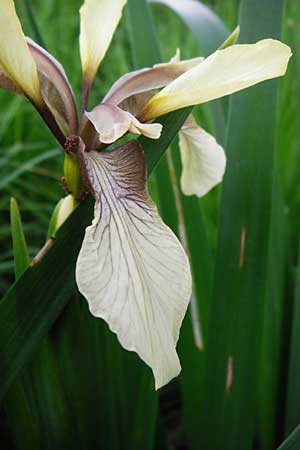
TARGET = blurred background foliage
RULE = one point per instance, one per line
(109, 403)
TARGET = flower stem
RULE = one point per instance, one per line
(44, 250)
(183, 238)
(49, 119)
(85, 96)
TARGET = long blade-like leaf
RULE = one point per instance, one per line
(207, 27)
(21, 257)
(293, 388)
(292, 442)
(229, 405)
(270, 387)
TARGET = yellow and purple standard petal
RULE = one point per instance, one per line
(111, 123)
(203, 160)
(55, 88)
(16, 60)
(7, 84)
(146, 80)
(131, 268)
(98, 22)
(222, 73)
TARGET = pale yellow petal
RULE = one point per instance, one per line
(98, 21)
(131, 268)
(222, 73)
(203, 161)
(15, 58)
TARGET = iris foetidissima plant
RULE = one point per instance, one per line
(131, 268)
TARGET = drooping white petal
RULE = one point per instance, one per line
(111, 123)
(203, 160)
(98, 21)
(222, 73)
(15, 58)
(131, 268)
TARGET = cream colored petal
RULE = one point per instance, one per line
(203, 161)
(98, 21)
(150, 130)
(15, 58)
(224, 72)
(131, 268)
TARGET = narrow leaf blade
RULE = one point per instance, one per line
(20, 251)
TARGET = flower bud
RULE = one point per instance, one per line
(61, 212)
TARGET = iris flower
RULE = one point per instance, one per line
(131, 268)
